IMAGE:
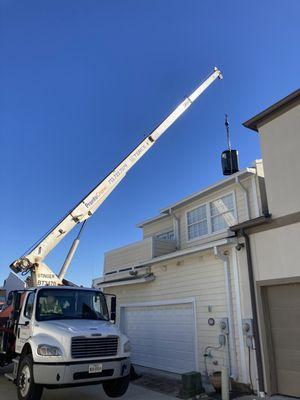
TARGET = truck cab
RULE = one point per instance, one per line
(65, 336)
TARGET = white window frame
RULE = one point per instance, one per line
(208, 217)
(164, 233)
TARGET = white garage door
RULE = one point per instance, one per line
(162, 336)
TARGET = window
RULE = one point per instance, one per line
(197, 222)
(222, 213)
(211, 217)
(29, 305)
(63, 304)
(166, 236)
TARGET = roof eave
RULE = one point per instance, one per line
(271, 112)
(203, 192)
(150, 220)
(251, 223)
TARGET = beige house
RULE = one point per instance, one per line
(275, 245)
(12, 282)
(186, 276)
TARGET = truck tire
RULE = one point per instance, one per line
(26, 388)
(116, 387)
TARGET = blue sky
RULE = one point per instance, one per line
(83, 81)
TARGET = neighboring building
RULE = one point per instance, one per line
(2, 297)
(12, 282)
(275, 246)
(176, 285)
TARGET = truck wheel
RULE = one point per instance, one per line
(116, 387)
(26, 388)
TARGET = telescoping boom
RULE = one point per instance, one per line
(33, 261)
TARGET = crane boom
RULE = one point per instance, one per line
(41, 274)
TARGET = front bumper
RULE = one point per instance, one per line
(77, 372)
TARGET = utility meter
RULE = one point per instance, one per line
(224, 326)
(248, 332)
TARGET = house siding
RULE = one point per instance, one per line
(240, 210)
(128, 255)
(161, 226)
(137, 253)
(255, 207)
(161, 247)
(200, 277)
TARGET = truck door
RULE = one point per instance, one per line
(25, 325)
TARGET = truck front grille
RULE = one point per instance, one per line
(83, 347)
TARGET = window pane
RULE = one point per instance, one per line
(71, 304)
(197, 230)
(222, 205)
(196, 215)
(166, 236)
(220, 222)
(29, 306)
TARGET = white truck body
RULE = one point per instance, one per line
(102, 354)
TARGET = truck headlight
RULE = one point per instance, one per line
(127, 347)
(49, 351)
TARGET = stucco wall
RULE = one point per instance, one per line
(280, 143)
(276, 253)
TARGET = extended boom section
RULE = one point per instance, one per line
(41, 274)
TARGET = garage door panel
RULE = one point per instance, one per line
(285, 317)
(288, 296)
(286, 338)
(284, 314)
(180, 345)
(288, 379)
(288, 359)
(160, 363)
(162, 336)
(167, 353)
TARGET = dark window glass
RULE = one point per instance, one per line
(29, 306)
(71, 304)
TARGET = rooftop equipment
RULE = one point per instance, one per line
(229, 157)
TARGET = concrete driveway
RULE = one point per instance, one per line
(8, 392)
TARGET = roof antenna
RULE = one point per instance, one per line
(229, 158)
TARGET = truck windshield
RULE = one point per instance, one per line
(71, 304)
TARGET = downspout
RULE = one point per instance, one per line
(239, 315)
(256, 333)
(231, 337)
(241, 230)
(239, 184)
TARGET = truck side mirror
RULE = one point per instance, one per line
(113, 309)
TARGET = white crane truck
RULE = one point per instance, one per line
(60, 335)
